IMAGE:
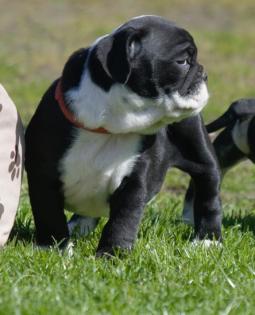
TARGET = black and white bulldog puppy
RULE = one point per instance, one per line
(106, 132)
(232, 145)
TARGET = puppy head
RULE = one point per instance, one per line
(139, 78)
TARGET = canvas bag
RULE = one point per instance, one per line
(11, 163)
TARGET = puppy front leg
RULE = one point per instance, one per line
(202, 206)
(48, 211)
(228, 155)
(207, 205)
(195, 155)
(126, 207)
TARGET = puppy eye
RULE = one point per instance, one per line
(182, 62)
(134, 47)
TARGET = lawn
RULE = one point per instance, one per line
(165, 273)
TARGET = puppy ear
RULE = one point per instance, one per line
(116, 53)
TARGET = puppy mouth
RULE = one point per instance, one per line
(193, 80)
(192, 102)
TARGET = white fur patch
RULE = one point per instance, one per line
(240, 133)
(194, 102)
(93, 168)
(207, 243)
(122, 111)
(69, 250)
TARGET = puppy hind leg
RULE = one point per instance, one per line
(81, 226)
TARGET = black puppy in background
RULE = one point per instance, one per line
(232, 145)
(236, 142)
(106, 132)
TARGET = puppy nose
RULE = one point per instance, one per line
(205, 76)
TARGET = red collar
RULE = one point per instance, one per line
(59, 97)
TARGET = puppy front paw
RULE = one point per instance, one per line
(209, 230)
(113, 251)
(106, 252)
(207, 243)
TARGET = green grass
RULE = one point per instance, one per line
(164, 274)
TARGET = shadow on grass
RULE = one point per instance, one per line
(246, 223)
(22, 231)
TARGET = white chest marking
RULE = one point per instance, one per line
(239, 134)
(94, 167)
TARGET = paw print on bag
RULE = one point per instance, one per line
(14, 167)
(1, 210)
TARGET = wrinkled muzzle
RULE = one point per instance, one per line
(192, 80)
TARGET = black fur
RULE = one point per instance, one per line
(251, 132)
(227, 152)
(184, 145)
(240, 109)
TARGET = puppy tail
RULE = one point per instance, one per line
(237, 110)
(224, 120)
